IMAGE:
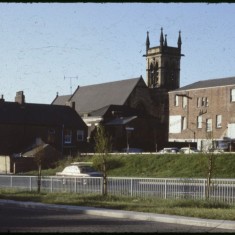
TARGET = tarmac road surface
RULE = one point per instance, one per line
(37, 217)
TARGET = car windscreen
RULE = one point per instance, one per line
(85, 169)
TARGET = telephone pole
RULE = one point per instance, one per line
(70, 81)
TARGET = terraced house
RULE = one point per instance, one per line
(21, 124)
(203, 113)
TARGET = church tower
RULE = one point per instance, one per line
(163, 64)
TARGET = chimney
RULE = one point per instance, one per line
(20, 99)
(2, 98)
(70, 104)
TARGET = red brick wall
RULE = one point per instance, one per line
(218, 104)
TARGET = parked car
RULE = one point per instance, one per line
(169, 150)
(81, 170)
(188, 150)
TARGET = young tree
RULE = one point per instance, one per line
(102, 149)
(39, 154)
(211, 158)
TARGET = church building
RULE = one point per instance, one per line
(134, 112)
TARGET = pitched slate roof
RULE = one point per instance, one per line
(121, 121)
(209, 83)
(98, 96)
(61, 100)
(39, 114)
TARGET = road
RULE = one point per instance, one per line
(15, 218)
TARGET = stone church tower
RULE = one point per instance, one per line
(163, 64)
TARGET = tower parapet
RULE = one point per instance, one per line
(163, 64)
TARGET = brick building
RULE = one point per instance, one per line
(21, 124)
(203, 113)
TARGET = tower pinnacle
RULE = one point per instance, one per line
(161, 38)
(147, 42)
(179, 41)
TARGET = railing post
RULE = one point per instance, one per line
(131, 187)
(75, 184)
(11, 182)
(165, 193)
(101, 186)
(204, 188)
(51, 184)
(30, 184)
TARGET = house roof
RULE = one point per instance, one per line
(98, 96)
(121, 121)
(116, 110)
(209, 83)
(39, 114)
(61, 100)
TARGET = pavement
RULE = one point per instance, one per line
(222, 224)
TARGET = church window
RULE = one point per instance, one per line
(153, 75)
(80, 135)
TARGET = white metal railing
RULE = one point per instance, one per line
(175, 188)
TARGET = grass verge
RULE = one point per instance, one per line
(182, 207)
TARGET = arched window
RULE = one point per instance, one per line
(153, 69)
(155, 83)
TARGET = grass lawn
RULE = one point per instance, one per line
(154, 166)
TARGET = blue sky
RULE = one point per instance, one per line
(41, 43)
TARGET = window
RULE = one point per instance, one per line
(80, 135)
(198, 102)
(176, 100)
(199, 121)
(218, 121)
(203, 101)
(184, 123)
(209, 125)
(233, 95)
(206, 102)
(184, 102)
(68, 137)
(51, 136)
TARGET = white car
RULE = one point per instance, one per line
(80, 169)
(169, 150)
(188, 150)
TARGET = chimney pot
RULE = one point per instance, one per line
(20, 98)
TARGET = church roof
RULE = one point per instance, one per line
(61, 100)
(209, 83)
(99, 96)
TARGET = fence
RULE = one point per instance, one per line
(175, 188)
